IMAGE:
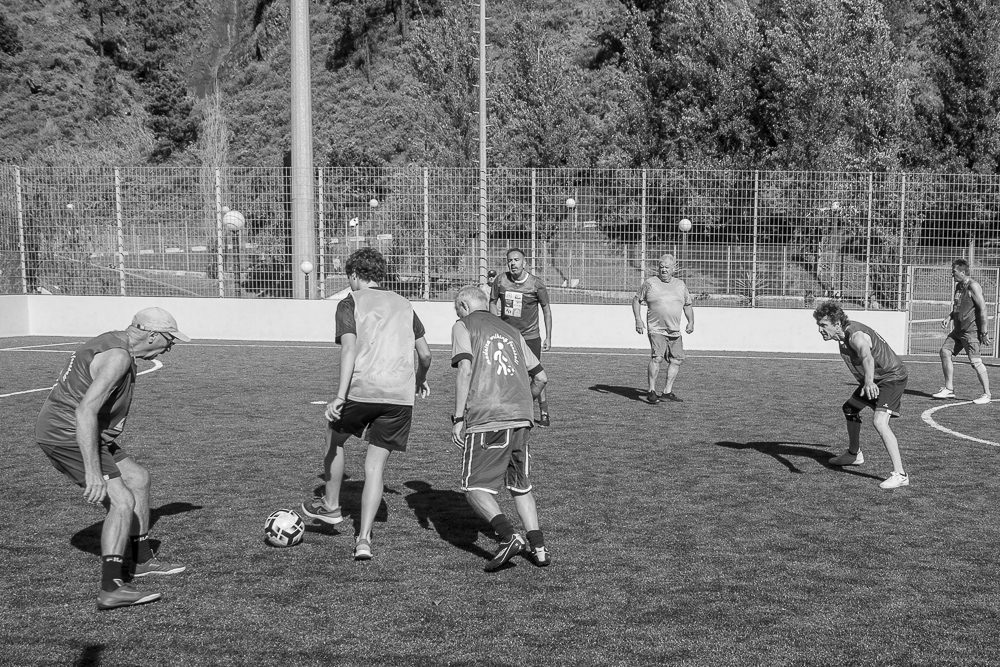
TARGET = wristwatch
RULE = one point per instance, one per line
(457, 420)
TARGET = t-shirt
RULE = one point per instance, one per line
(502, 362)
(386, 328)
(963, 311)
(519, 301)
(665, 303)
(56, 424)
(887, 365)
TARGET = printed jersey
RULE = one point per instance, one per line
(56, 423)
(963, 310)
(519, 302)
(386, 328)
(887, 365)
(499, 391)
(665, 303)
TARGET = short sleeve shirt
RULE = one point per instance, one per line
(519, 302)
(888, 366)
(665, 303)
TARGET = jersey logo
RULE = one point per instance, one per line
(513, 304)
(500, 352)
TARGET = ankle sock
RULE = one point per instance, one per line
(141, 551)
(112, 572)
(503, 526)
(535, 539)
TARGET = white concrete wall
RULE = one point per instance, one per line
(716, 329)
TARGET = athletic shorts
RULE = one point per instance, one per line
(535, 345)
(956, 343)
(890, 398)
(68, 459)
(666, 347)
(388, 426)
(492, 459)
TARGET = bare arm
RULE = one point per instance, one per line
(462, 381)
(689, 314)
(423, 365)
(982, 323)
(639, 325)
(547, 313)
(348, 357)
(107, 369)
(862, 345)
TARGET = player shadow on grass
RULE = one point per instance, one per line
(628, 392)
(89, 539)
(450, 515)
(350, 506)
(779, 451)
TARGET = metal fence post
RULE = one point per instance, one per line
(121, 230)
(427, 235)
(19, 204)
(868, 241)
(753, 259)
(321, 233)
(902, 238)
(642, 230)
(534, 222)
(220, 269)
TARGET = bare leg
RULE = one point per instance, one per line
(334, 461)
(484, 503)
(673, 368)
(652, 372)
(526, 509)
(981, 373)
(948, 368)
(136, 478)
(121, 508)
(371, 495)
(881, 423)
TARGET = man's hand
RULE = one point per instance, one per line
(945, 322)
(96, 489)
(984, 338)
(458, 435)
(870, 391)
(424, 390)
(333, 409)
(546, 344)
(639, 326)
(690, 327)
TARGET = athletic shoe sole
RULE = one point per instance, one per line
(333, 520)
(363, 550)
(160, 570)
(117, 599)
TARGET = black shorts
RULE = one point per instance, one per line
(68, 459)
(890, 398)
(535, 345)
(388, 426)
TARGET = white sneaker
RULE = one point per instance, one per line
(982, 400)
(944, 392)
(847, 459)
(896, 480)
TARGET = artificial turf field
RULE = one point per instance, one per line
(709, 532)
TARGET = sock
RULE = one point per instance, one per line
(503, 526)
(140, 548)
(112, 569)
(535, 539)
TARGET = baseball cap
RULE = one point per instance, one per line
(158, 320)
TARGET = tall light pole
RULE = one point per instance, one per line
(303, 239)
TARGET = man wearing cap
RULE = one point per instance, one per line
(78, 429)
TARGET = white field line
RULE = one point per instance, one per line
(34, 348)
(926, 416)
(157, 365)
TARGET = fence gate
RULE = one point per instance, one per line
(931, 289)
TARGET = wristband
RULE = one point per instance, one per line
(457, 420)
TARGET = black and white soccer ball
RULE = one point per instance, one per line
(284, 528)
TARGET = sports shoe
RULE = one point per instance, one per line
(944, 392)
(539, 556)
(316, 509)
(671, 396)
(896, 480)
(124, 596)
(543, 419)
(982, 400)
(156, 566)
(507, 550)
(362, 549)
(848, 459)
(652, 397)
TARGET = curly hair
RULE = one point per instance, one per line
(833, 311)
(961, 265)
(368, 264)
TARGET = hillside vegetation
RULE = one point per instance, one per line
(794, 84)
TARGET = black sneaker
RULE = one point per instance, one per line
(673, 397)
(507, 550)
(652, 397)
(539, 556)
(543, 419)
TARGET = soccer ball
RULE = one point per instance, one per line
(284, 528)
(685, 225)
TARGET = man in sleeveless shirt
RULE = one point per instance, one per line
(666, 298)
(78, 430)
(498, 374)
(881, 380)
(969, 330)
(517, 297)
(378, 332)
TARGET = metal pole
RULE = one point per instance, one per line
(321, 233)
(220, 269)
(902, 237)
(753, 259)
(868, 242)
(121, 231)
(19, 203)
(482, 141)
(534, 220)
(642, 229)
(303, 239)
(427, 235)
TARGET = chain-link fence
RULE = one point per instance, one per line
(771, 239)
